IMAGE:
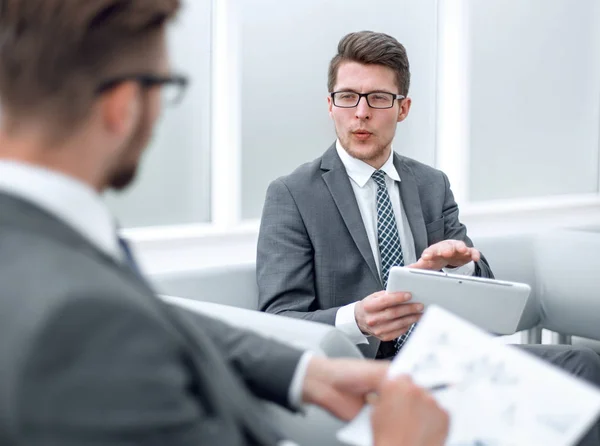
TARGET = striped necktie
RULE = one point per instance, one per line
(390, 249)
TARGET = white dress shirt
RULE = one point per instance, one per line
(365, 190)
(82, 208)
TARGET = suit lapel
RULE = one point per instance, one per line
(411, 201)
(337, 181)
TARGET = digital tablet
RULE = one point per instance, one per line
(494, 305)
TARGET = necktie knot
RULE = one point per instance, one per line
(379, 178)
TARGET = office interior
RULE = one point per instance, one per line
(506, 101)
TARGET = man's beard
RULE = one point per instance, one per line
(123, 178)
(361, 153)
(124, 175)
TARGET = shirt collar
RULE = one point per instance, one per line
(74, 202)
(359, 171)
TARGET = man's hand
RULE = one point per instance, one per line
(448, 253)
(404, 414)
(341, 386)
(386, 315)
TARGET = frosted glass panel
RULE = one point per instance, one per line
(535, 89)
(287, 46)
(173, 184)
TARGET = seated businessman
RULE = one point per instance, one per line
(333, 228)
(88, 355)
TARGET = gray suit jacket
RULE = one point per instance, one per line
(89, 355)
(313, 252)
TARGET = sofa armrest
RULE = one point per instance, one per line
(585, 342)
(305, 335)
(567, 266)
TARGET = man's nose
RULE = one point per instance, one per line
(363, 111)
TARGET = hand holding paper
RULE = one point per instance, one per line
(500, 395)
(425, 422)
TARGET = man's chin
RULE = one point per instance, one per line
(121, 180)
(363, 151)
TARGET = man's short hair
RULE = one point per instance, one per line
(371, 48)
(54, 54)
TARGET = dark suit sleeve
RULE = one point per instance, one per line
(455, 230)
(285, 263)
(100, 372)
(267, 366)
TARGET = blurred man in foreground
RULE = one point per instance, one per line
(89, 355)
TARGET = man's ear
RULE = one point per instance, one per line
(120, 108)
(329, 104)
(404, 109)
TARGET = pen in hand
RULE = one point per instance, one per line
(372, 397)
(438, 387)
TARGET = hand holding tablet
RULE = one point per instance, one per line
(494, 305)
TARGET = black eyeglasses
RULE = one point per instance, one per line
(376, 99)
(172, 87)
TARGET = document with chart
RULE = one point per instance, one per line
(498, 395)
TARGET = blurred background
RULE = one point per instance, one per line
(506, 100)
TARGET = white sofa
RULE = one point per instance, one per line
(233, 285)
(563, 270)
(568, 283)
